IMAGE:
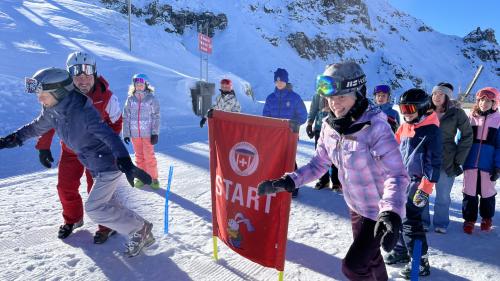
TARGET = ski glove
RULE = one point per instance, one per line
(202, 122)
(126, 140)
(387, 228)
(154, 139)
(495, 174)
(309, 131)
(284, 183)
(45, 157)
(10, 141)
(126, 166)
(420, 198)
(458, 170)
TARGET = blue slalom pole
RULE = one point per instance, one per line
(415, 263)
(167, 192)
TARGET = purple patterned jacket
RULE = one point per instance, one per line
(370, 165)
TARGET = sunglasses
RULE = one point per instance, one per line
(382, 88)
(139, 80)
(408, 108)
(77, 69)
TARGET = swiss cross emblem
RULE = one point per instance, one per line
(244, 158)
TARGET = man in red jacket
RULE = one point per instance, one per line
(82, 68)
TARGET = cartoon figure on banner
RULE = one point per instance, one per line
(233, 229)
(244, 158)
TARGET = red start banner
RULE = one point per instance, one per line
(245, 150)
(204, 43)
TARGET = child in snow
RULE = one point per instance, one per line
(226, 101)
(382, 94)
(356, 138)
(421, 147)
(101, 151)
(318, 110)
(285, 103)
(482, 166)
(141, 123)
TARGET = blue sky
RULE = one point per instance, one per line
(456, 17)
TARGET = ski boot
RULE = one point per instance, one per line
(140, 239)
(320, 185)
(66, 229)
(468, 227)
(155, 184)
(424, 268)
(486, 224)
(394, 257)
(102, 236)
(138, 183)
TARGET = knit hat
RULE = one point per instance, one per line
(281, 75)
(444, 87)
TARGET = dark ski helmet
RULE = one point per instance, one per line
(56, 81)
(341, 79)
(414, 101)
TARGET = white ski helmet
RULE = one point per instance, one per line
(80, 59)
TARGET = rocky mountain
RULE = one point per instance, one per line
(304, 35)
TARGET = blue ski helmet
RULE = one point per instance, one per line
(140, 78)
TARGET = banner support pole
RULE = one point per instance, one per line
(280, 275)
(216, 254)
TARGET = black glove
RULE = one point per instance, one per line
(45, 157)
(387, 228)
(284, 183)
(495, 174)
(420, 198)
(126, 140)
(309, 131)
(202, 122)
(154, 139)
(126, 166)
(10, 141)
(458, 170)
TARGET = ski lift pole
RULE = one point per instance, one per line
(471, 84)
(129, 29)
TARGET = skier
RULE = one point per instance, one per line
(82, 67)
(382, 94)
(357, 139)
(451, 120)
(285, 103)
(141, 124)
(226, 101)
(421, 147)
(482, 166)
(101, 151)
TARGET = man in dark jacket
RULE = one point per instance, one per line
(82, 67)
(285, 103)
(452, 119)
(100, 150)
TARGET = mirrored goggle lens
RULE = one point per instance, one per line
(31, 85)
(139, 81)
(486, 94)
(408, 108)
(78, 69)
(326, 86)
(382, 88)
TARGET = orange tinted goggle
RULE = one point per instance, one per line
(407, 108)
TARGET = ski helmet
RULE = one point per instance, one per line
(341, 79)
(382, 89)
(414, 101)
(80, 62)
(56, 81)
(491, 94)
(140, 78)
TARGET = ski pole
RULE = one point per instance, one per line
(167, 191)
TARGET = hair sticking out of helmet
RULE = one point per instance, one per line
(140, 78)
(491, 94)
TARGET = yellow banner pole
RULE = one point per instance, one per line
(216, 255)
(280, 275)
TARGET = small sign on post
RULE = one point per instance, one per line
(204, 43)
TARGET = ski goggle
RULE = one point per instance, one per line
(486, 94)
(326, 85)
(408, 108)
(139, 80)
(77, 69)
(382, 89)
(33, 86)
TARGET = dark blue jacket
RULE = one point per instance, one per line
(389, 111)
(285, 104)
(485, 151)
(421, 147)
(80, 127)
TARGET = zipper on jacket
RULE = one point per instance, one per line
(139, 116)
(480, 143)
